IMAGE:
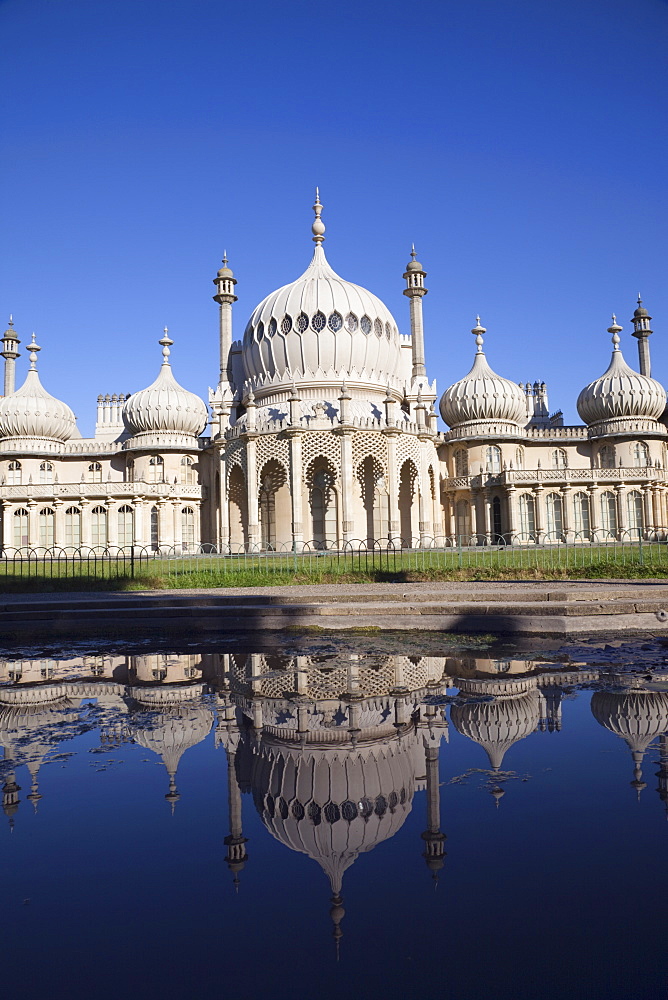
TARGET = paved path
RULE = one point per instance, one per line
(517, 607)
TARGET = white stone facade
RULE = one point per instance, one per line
(323, 434)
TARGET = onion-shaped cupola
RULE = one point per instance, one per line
(621, 400)
(33, 415)
(321, 326)
(165, 414)
(482, 398)
(637, 716)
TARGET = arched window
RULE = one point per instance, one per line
(155, 531)
(634, 512)
(640, 455)
(14, 474)
(73, 527)
(20, 521)
(519, 458)
(98, 527)
(156, 469)
(94, 472)
(559, 459)
(461, 462)
(609, 512)
(188, 529)
(581, 515)
(493, 463)
(554, 520)
(125, 526)
(463, 521)
(527, 516)
(187, 471)
(46, 527)
(45, 472)
(606, 457)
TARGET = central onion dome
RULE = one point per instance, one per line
(31, 412)
(483, 397)
(620, 395)
(497, 725)
(164, 414)
(321, 325)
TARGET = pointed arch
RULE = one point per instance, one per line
(408, 484)
(323, 502)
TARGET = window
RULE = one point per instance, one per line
(95, 472)
(131, 471)
(554, 511)
(527, 515)
(286, 324)
(559, 460)
(46, 525)
(188, 528)
(14, 474)
(634, 512)
(493, 463)
(609, 512)
(46, 472)
(335, 322)
(20, 527)
(519, 458)
(640, 455)
(155, 533)
(461, 462)
(581, 515)
(98, 527)
(606, 457)
(156, 469)
(73, 527)
(351, 322)
(187, 471)
(318, 322)
(125, 526)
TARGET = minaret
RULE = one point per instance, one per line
(641, 329)
(225, 282)
(10, 352)
(415, 289)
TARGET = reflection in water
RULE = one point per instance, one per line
(331, 749)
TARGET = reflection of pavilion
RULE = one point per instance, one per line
(637, 714)
(332, 751)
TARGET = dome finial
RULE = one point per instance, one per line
(477, 332)
(615, 330)
(166, 342)
(33, 347)
(225, 257)
(318, 227)
(413, 251)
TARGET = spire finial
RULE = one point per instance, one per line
(615, 330)
(318, 227)
(477, 332)
(166, 342)
(225, 258)
(33, 348)
(639, 301)
(11, 320)
(413, 252)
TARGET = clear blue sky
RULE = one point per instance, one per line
(521, 144)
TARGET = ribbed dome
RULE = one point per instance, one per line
(32, 412)
(497, 725)
(636, 716)
(165, 412)
(483, 396)
(621, 393)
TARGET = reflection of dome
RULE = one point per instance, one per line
(483, 396)
(165, 412)
(335, 804)
(621, 394)
(638, 717)
(321, 323)
(32, 412)
(497, 724)
(170, 733)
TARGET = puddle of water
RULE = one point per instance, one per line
(332, 816)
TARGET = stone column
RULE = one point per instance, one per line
(393, 483)
(251, 494)
(347, 484)
(511, 507)
(7, 525)
(141, 511)
(649, 513)
(33, 523)
(425, 503)
(59, 523)
(112, 525)
(487, 507)
(540, 512)
(177, 526)
(622, 522)
(296, 480)
(475, 520)
(566, 513)
(450, 514)
(86, 530)
(165, 524)
(223, 526)
(594, 508)
(656, 508)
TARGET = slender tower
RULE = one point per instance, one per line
(10, 352)
(641, 329)
(415, 290)
(225, 282)
(434, 839)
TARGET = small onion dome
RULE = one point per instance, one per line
(32, 412)
(165, 408)
(413, 264)
(621, 393)
(641, 312)
(225, 271)
(482, 395)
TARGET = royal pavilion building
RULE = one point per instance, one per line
(322, 431)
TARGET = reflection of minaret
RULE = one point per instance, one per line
(434, 852)
(34, 795)
(662, 773)
(10, 798)
(236, 842)
(550, 709)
